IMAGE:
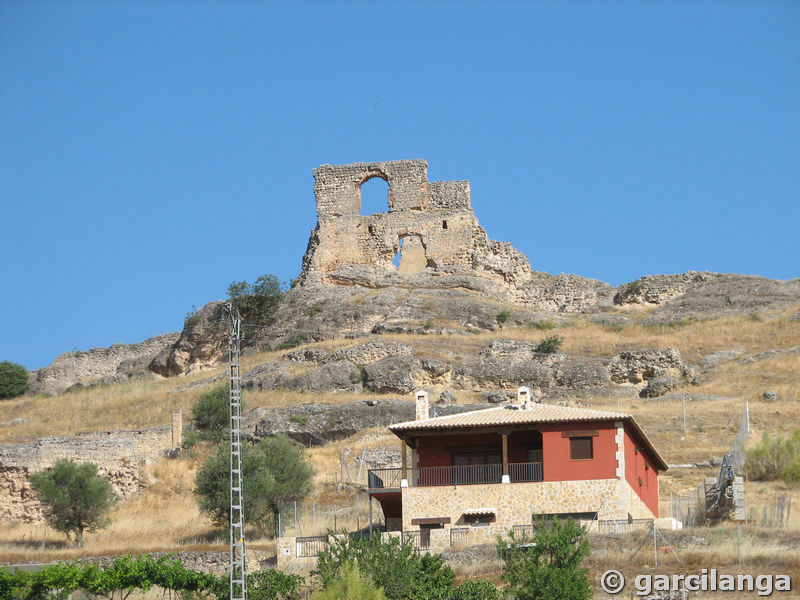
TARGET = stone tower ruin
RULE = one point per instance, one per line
(430, 224)
(430, 227)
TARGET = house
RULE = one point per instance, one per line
(488, 471)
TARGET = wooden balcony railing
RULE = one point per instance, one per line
(454, 475)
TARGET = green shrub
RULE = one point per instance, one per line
(428, 324)
(351, 584)
(401, 569)
(775, 458)
(275, 472)
(478, 589)
(272, 584)
(315, 308)
(550, 344)
(543, 325)
(634, 287)
(299, 419)
(548, 565)
(503, 316)
(212, 413)
(13, 380)
(293, 340)
(74, 497)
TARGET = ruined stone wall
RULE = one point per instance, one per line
(114, 364)
(433, 228)
(431, 224)
(119, 455)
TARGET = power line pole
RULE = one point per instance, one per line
(238, 570)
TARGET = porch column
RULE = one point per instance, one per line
(506, 478)
(403, 465)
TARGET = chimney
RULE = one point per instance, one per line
(422, 405)
(523, 398)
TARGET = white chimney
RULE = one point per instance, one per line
(523, 398)
(422, 405)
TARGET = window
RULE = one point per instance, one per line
(444, 224)
(580, 448)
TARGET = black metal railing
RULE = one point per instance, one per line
(454, 475)
(311, 546)
(384, 478)
(525, 471)
(458, 536)
(415, 539)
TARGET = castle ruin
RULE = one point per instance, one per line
(431, 228)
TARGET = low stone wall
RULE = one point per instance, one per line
(119, 455)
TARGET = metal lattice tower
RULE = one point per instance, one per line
(238, 569)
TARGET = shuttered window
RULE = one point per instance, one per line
(580, 448)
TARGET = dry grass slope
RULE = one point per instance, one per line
(164, 515)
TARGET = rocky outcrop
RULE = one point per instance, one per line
(658, 386)
(637, 366)
(362, 354)
(203, 341)
(317, 423)
(117, 363)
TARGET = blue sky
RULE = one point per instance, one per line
(153, 152)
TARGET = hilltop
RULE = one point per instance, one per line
(393, 302)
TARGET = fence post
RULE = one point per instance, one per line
(655, 544)
(739, 542)
(684, 413)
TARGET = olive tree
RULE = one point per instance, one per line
(74, 497)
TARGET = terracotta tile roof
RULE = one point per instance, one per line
(536, 413)
(506, 415)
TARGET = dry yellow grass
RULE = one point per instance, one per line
(165, 516)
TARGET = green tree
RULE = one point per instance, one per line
(212, 413)
(74, 497)
(258, 302)
(275, 471)
(548, 565)
(400, 568)
(352, 584)
(13, 380)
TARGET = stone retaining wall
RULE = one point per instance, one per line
(119, 455)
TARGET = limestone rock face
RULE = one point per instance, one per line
(202, 342)
(318, 423)
(636, 366)
(119, 362)
(658, 386)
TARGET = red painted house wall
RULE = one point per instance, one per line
(639, 465)
(557, 464)
(434, 451)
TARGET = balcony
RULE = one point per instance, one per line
(454, 475)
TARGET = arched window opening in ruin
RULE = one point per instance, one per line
(444, 224)
(374, 196)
